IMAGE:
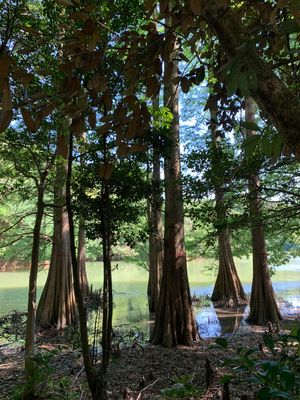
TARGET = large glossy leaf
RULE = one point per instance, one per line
(233, 78)
(251, 126)
(243, 84)
(287, 380)
(250, 144)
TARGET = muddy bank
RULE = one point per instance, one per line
(10, 266)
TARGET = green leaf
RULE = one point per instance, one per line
(271, 368)
(277, 145)
(226, 379)
(266, 146)
(222, 342)
(290, 26)
(269, 340)
(233, 78)
(250, 144)
(287, 380)
(225, 69)
(252, 379)
(244, 84)
(267, 393)
(251, 126)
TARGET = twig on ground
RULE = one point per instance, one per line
(145, 388)
(78, 374)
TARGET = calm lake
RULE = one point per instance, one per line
(130, 288)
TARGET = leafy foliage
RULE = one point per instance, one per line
(182, 388)
(274, 368)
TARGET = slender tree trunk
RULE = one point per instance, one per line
(30, 366)
(87, 359)
(263, 306)
(175, 323)
(81, 249)
(57, 303)
(107, 284)
(81, 260)
(271, 94)
(228, 288)
(155, 235)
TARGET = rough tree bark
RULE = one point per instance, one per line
(57, 303)
(263, 306)
(30, 366)
(81, 250)
(271, 94)
(228, 288)
(174, 323)
(107, 294)
(90, 370)
(155, 235)
(81, 260)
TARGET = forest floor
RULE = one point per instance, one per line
(139, 372)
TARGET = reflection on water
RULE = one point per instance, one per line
(216, 321)
(230, 318)
(130, 299)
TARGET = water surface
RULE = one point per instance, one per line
(130, 288)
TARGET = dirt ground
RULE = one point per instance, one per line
(139, 372)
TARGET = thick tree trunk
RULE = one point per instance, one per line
(155, 236)
(228, 288)
(81, 260)
(175, 323)
(31, 308)
(263, 306)
(271, 94)
(57, 303)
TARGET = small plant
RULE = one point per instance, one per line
(40, 373)
(17, 393)
(181, 389)
(12, 326)
(128, 338)
(72, 336)
(62, 389)
(274, 367)
(201, 300)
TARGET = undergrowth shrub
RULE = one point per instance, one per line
(274, 367)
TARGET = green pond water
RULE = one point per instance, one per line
(130, 288)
